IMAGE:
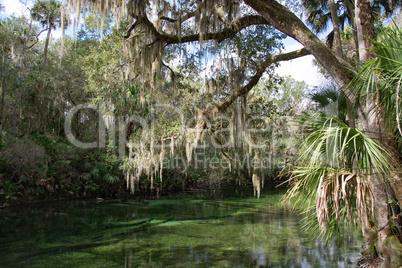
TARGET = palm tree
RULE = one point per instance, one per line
(332, 101)
(380, 80)
(326, 179)
(341, 169)
(383, 75)
(321, 13)
(48, 13)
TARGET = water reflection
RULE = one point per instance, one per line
(165, 233)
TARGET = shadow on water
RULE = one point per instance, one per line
(190, 231)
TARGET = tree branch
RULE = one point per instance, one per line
(187, 16)
(287, 22)
(37, 38)
(253, 81)
(229, 31)
(132, 27)
(167, 19)
(145, 21)
(173, 75)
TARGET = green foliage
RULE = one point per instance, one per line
(39, 97)
(44, 166)
(265, 39)
(8, 189)
(319, 14)
(331, 101)
(382, 77)
(103, 169)
(22, 159)
(91, 27)
(324, 181)
(331, 181)
(104, 66)
(47, 13)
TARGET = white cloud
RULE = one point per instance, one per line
(301, 69)
(14, 7)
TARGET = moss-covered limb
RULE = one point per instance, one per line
(181, 19)
(229, 31)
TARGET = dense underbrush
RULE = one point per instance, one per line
(36, 167)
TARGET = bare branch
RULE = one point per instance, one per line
(37, 38)
(173, 75)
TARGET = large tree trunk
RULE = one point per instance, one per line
(47, 45)
(373, 121)
(335, 22)
(384, 191)
(365, 29)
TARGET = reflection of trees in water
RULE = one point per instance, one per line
(169, 233)
(278, 241)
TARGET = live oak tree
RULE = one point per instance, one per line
(158, 27)
(18, 40)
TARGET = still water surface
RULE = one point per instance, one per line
(190, 231)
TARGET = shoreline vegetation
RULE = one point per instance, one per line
(68, 177)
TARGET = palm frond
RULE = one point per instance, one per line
(382, 75)
(333, 173)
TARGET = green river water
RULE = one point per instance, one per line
(179, 231)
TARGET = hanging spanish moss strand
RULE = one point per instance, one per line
(233, 129)
(161, 159)
(103, 7)
(239, 121)
(257, 175)
(63, 26)
(145, 52)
